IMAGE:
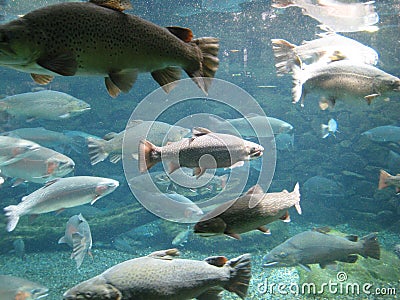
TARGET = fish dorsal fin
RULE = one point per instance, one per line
(217, 261)
(352, 238)
(199, 131)
(185, 34)
(251, 115)
(256, 189)
(50, 182)
(110, 136)
(165, 254)
(118, 5)
(42, 79)
(324, 229)
(133, 123)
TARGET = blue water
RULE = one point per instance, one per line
(338, 175)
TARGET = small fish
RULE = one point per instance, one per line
(385, 180)
(205, 150)
(121, 47)
(16, 288)
(19, 248)
(387, 133)
(250, 126)
(168, 278)
(59, 194)
(41, 166)
(158, 132)
(240, 216)
(13, 149)
(314, 247)
(328, 47)
(329, 129)
(46, 105)
(345, 80)
(78, 237)
(182, 237)
(335, 15)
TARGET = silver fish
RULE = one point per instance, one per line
(329, 129)
(13, 149)
(342, 79)
(240, 216)
(329, 47)
(78, 237)
(41, 166)
(47, 105)
(387, 133)
(13, 288)
(121, 46)
(59, 194)
(205, 150)
(160, 276)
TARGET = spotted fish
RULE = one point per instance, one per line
(98, 38)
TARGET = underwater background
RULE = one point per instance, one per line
(338, 175)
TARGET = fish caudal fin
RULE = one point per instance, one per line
(298, 79)
(324, 130)
(296, 195)
(371, 246)
(382, 180)
(11, 213)
(97, 152)
(240, 275)
(284, 56)
(148, 155)
(209, 47)
(78, 250)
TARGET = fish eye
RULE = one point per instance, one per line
(282, 254)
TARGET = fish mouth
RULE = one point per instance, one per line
(256, 153)
(270, 264)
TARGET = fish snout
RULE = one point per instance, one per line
(256, 152)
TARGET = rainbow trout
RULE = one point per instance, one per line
(97, 38)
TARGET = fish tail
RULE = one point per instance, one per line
(282, 3)
(149, 155)
(12, 214)
(298, 78)
(324, 130)
(296, 195)
(371, 246)
(284, 56)
(209, 47)
(240, 275)
(97, 152)
(382, 180)
(78, 250)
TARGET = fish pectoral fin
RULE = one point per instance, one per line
(184, 34)
(59, 211)
(352, 258)
(285, 218)
(112, 89)
(237, 164)
(118, 5)
(64, 116)
(371, 97)
(235, 236)
(265, 230)
(63, 64)
(124, 80)
(305, 267)
(167, 77)
(352, 238)
(42, 79)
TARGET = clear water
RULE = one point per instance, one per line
(346, 199)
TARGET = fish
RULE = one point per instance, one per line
(284, 142)
(397, 250)
(335, 15)
(182, 237)
(344, 80)
(205, 150)
(14, 149)
(240, 215)
(41, 166)
(56, 140)
(59, 194)
(393, 161)
(122, 46)
(387, 133)
(385, 180)
(46, 105)
(161, 276)
(329, 129)
(19, 248)
(78, 236)
(327, 48)
(159, 132)
(319, 186)
(252, 125)
(314, 247)
(17, 288)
